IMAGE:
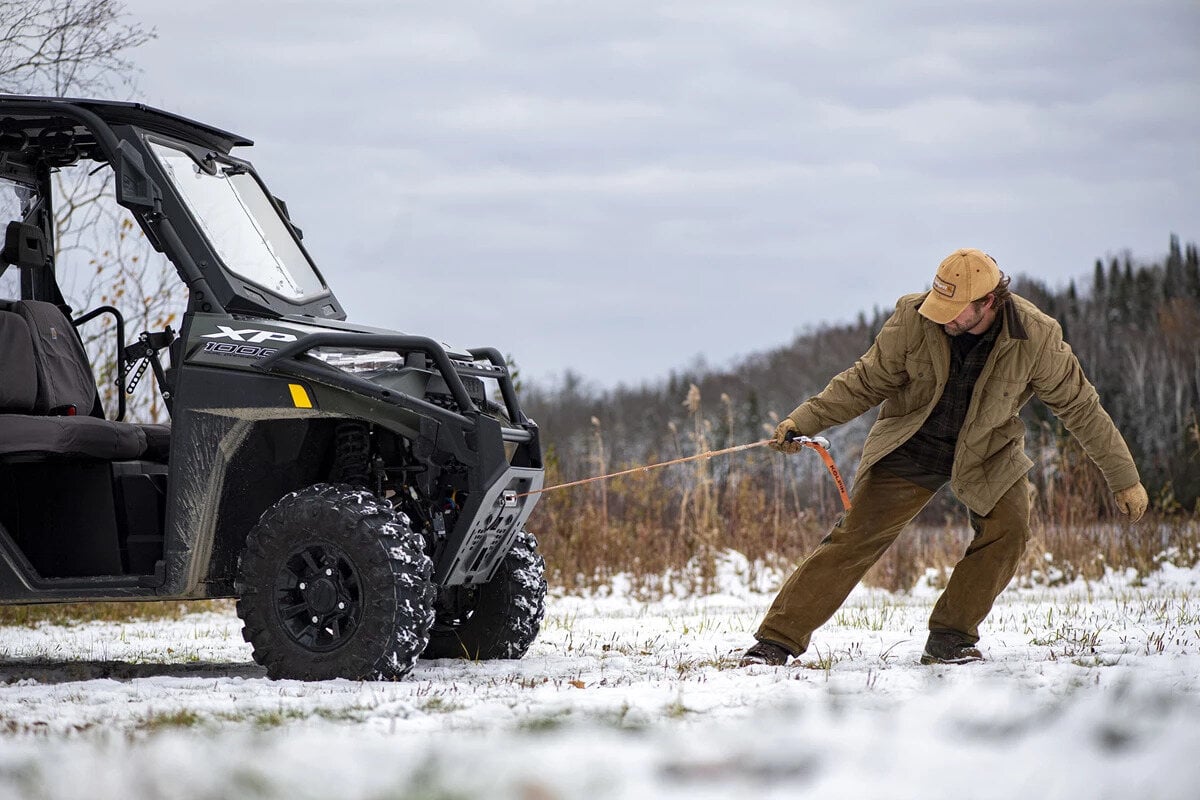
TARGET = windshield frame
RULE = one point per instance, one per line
(281, 225)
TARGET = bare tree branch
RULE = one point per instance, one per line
(62, 47)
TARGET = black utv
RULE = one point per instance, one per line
(362, 493)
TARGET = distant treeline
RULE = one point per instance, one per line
(1134, 326)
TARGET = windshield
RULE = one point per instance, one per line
(240, 221)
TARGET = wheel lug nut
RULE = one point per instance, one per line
(316, 619)
(341, 606)
(303, 586)
(328, 572)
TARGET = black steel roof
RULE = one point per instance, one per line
(127, 113)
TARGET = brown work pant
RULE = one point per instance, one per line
(882, 504)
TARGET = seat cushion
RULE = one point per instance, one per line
(72, 436)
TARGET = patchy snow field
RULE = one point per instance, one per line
(1090, 691)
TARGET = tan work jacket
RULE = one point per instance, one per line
(906, 370)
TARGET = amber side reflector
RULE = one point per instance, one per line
(300, 397)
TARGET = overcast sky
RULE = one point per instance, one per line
(618, 187)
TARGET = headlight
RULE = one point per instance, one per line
(355, 361)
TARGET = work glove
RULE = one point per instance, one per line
(780, 441)
(1132, 501)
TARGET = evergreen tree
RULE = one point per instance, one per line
(1146, 293)
(1115, 300)
(1191, 272)
(1173, 280)
(1098, 282)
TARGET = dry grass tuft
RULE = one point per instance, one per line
(76, 613)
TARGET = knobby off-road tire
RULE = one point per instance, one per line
(501, 618)
(340, 556)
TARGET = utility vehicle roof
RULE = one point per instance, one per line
(121, 113)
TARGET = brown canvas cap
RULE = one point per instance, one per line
(964, 276)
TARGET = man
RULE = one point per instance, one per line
(952, 368)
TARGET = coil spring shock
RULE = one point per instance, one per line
(352, 450)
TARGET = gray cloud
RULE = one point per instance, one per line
(618, 187)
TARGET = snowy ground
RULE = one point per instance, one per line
(1090, 691)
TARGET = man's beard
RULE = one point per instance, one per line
(954, 329)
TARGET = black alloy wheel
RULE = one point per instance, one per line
(334, 583)
(317, 597)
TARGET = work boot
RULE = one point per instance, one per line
(948, 647)
(765, 653)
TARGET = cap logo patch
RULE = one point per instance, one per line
(942, 287)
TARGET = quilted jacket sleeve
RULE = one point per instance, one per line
(1059, 382)
(871, 380)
